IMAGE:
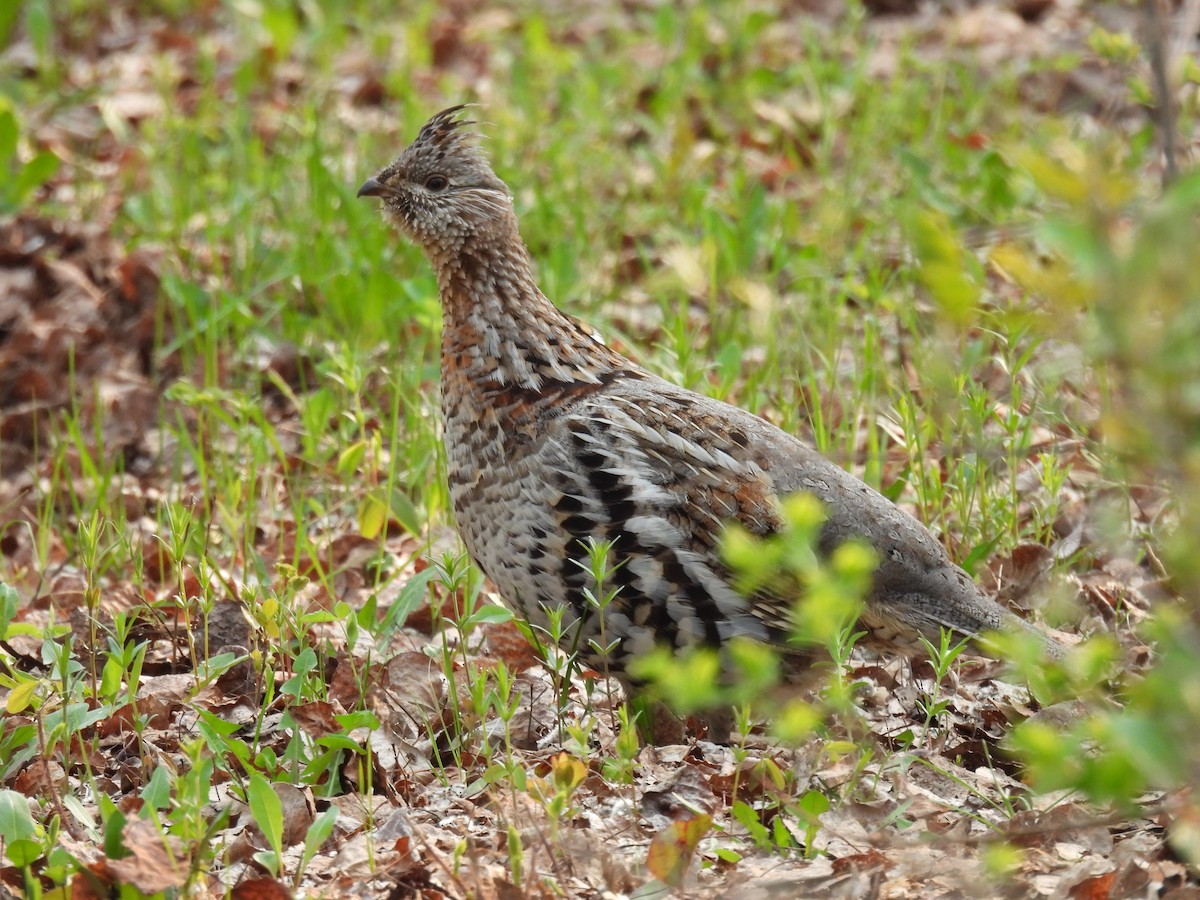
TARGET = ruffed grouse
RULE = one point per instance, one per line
(554, 438)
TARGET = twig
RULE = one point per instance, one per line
(1157, 29)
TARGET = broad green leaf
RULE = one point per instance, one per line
(491, 614)
(21, 696)
(360, 719)
(23, 853)
(34, 174)
(747, 817)
(267, 810)
(157, 792)
(318, 833)
(350, 459)
(406, 512)
(114, 840)
(16, 823)
(372, 516)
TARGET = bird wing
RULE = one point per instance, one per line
(660, 474)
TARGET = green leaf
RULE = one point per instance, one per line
(406, 512)
(318, 833)
(39, 25)
(267, 810)
(24, 853)
(491, 614)
(9, 601)
(8, 19)
(21, 696)
(372, 516)
(279, 21)
(747, 817)
(216, 666)
(339, 742)
(360, 719)
(781, 835)
(114, 841)
(1002, 860)
(157, 792)
(411, 596)
(214, 729)
(16, 823)
(110, 678)
(813, 803)
(795, 722)
(303, 664)
(350, 459)
(34, 174)
(8, 136)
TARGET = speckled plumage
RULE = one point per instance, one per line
(552, 438)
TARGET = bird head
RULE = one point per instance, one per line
(441, 191)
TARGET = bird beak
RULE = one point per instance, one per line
(371, 188)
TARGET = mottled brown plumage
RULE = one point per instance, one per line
(553, 438)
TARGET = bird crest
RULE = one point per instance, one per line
(448, 136)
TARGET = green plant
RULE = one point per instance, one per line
(1124, 265)
(942, 657)
(20, 835)
(22, 177)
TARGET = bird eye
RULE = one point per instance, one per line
(436, 183)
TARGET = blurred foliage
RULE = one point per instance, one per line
(829, 594)
(1120, 275)
(788, 564)
(19, 177)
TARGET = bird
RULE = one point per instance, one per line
(555, 441)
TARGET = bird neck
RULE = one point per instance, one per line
(498, 328)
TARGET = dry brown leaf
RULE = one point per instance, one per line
(261, 889)
(156, 861)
